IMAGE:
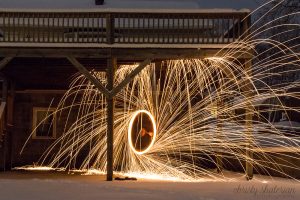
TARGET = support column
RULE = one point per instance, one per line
(10, 123)
(9, 127)
(248, 124)
(249, 151)
(246, 25)
(111, 66)
(157, 67)
(219, 159)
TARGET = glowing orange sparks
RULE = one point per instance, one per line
(135, 114)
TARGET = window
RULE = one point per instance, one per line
(44, 123)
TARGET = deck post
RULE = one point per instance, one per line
(249, 126)
(249, 107)
(109, 29)
(10, 124)
(219, 158)
(157, 67)
(111, 66)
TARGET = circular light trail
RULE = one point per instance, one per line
(130, 131)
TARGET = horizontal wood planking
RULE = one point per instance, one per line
(121, 28)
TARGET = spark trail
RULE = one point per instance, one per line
(202, 108)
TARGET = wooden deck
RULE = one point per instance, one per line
(101, 29)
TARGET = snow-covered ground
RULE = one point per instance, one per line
(47, 186)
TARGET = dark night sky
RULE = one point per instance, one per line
(237, 4)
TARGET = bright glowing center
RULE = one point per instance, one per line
(141, 132)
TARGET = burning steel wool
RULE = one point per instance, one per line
(174, 117)
(140, 138)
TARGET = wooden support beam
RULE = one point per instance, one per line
(249, 127)
(219, 157)
(125, 54)
(110, 21)
(155, 92)
(130, 77)
(2, 108)
(4, 89)
(249, 148)
(248, 92)
(5, 61)
(142, 65)
(10, 126)
(111, 67)
(89, 76)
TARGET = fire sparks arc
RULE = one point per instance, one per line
(135, 114)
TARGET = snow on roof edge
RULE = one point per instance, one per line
(126, 10)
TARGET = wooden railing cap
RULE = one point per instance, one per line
(122, 10)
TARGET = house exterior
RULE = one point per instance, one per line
(41, 49)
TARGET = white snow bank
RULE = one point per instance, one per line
(93, 187)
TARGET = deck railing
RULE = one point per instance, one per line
(121, 27)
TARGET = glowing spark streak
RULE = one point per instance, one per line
(36, 168)
(130, 130)
(185, 92)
